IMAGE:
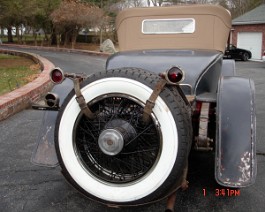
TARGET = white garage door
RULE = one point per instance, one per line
(251, 41)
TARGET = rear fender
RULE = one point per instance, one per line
(236, 164)
(44, 153)
(228, 68)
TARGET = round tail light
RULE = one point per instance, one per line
(174, 75)
(57, 76)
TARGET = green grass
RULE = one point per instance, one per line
(6, 56)
(15, 72)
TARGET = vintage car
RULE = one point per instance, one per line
(123, 136)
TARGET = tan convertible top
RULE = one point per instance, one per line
(212, 25)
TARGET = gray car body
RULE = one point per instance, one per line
(209, 79)
(212, 80)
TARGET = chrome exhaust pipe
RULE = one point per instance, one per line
(52, 100)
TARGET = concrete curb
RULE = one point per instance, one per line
(23, 97)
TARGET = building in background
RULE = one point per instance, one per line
(249, 31)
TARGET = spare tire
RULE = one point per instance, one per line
(116, 158)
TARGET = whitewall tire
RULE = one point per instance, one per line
(103, 158)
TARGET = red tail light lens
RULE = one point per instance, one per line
(175, 75)
(57, 76)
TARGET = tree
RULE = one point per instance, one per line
(14, 13)
(155, 2)
(32, 14)
(239, 7)
(72, 16)
(42, 20)
(134, 3)
(102, 3)
(110, 9)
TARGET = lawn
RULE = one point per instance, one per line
(15, 72)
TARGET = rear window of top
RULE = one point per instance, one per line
(168, 26)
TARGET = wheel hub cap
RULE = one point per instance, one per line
(111, 141)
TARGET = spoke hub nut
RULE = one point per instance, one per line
(111, 142)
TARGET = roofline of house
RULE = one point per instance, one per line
(247, 22)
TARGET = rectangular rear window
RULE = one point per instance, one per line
(168, 26)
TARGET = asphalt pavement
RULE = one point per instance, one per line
(26, 187)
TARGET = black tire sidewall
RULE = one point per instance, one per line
(176, 106)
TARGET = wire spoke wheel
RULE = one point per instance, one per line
(115, 158)
(116, 146)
